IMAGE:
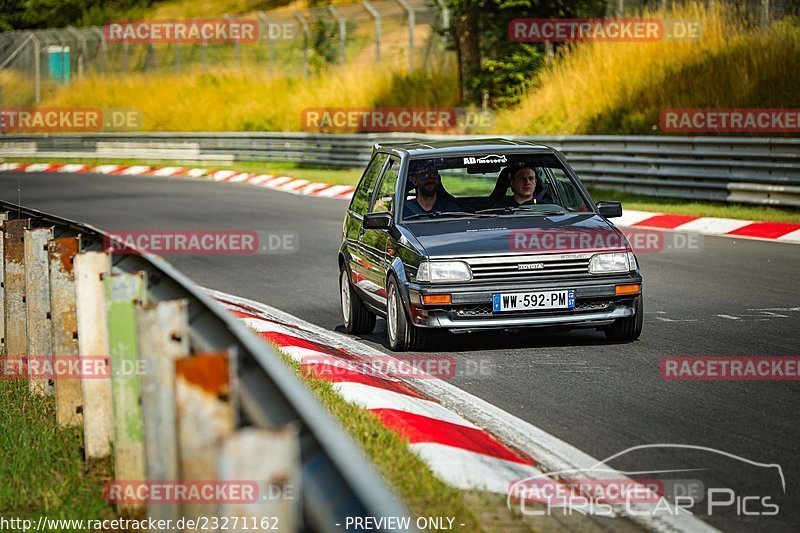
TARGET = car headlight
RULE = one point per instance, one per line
(632, 260)
(443, 271)
(610, 263)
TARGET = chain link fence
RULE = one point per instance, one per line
(394, 33)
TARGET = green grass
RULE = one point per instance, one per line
(42, 469)
(676, 206)
(350, 176)
(423, 493)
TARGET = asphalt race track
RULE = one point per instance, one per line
(734, 297)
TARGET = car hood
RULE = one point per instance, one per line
(571, 233)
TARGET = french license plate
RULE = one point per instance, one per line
(533, 301)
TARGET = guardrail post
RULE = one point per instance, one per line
(272, 457)
(206, 415)
(14, 279)
(123, 293)
(3, 218)
(163, 338)
(90, 307)
(37, 303)
(64, 322)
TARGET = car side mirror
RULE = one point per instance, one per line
(381, 220)
(610, 209)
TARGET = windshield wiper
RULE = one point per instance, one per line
(509, 209)
(440, 213)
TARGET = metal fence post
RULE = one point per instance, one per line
(90, 305)
(103, 48)
(377, 16)
(14, 278)
(163, 338)
(37, 67)
(411, 23)
(205, 410)
(3, 218)
(304, 25)
(271, 457)
(445, 14)
(123, 293)
(64, 322)
(342, 33)
(236, 47)
(270, 47)
(37, 303)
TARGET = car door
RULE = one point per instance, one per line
(353, 229)
(376, 244)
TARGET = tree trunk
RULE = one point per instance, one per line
(465, 34)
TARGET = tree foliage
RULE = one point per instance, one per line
(35, 14)
(489, 61)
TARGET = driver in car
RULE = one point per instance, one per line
(431, 196)
(526, 187)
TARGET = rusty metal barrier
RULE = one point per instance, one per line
(172, 384)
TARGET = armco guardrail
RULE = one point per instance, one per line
(735, 169)
(191, 399)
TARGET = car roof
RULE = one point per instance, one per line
(440, 148)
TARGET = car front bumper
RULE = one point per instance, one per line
(596, 304)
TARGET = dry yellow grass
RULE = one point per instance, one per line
(17, 90)
(590, 88)
(250, 99)
(622, 87)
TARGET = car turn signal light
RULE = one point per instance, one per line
(629, 289)
(431, 299)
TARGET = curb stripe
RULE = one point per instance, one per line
(713, 226)
(373, 398)
(666, 221)
(766, 230)
(467, 470)
(417, 429)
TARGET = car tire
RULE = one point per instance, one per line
(357, 318)
(630, 328)
(401, 333)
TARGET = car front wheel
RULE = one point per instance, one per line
(401, 333)
(357, 318)
(629, 328)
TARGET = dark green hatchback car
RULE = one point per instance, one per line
(489, 234)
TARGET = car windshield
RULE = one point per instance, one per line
(489, 184)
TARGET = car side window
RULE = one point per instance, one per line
(384, 200)
(570, 196)
(363, 194)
